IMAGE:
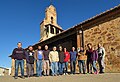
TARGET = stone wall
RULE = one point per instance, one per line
(107, 33)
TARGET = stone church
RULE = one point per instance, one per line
(103, 28)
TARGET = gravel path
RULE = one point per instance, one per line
(107, 77)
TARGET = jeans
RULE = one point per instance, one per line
(88, 65)
(54, 68)
(61, 67)
(73, 67)
(66, 67)
(101, 64)
(30, 69)
(81, 64)
(17, 63)
(39, 67)
(94, 66)
(46, 67)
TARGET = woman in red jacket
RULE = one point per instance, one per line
(67, 57)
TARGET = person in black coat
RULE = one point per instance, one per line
(19, 55)
(61, 60)
(30, 61)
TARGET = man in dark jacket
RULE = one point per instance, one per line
(61, 60)
(19, 55)
(30, 61)
(89, 53)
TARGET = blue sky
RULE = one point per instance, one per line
(20, 19)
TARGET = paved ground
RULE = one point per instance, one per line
(108, 77)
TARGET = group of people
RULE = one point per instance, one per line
(55, 62)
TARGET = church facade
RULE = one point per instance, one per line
(103, 28)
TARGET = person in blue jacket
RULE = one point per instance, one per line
(73, 55)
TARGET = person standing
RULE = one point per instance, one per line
(73, 55)
(39, 58)
(66, 59)
(89, 61)
(30, 61)
(61, 60)
(94, 58)
(19, 55)
(54, 58)
(101, 57)
(81, 60)
(46, 60)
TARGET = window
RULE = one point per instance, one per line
(52, 30)
(51, 20)
(47, 29)
(57, 30)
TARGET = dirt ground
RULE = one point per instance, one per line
(107, 77)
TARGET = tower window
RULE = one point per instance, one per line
(57, 30)
(52, 20)
(52, 30)
(47, 29)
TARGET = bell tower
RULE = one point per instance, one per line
(49, 26)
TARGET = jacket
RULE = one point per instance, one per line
(61, 56)
(73, 55)
(94, 56)
(53, 56)
(19, 54)
(30, 57)
(82, 56)
(101, 52)
(89, 53)
(36, 55)
(67, 56)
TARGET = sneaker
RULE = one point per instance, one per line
(23, 77)
(71, 73)
(16, 77)
(91, 73)
(66, 73)
(28, 77)
(97, 72)
(74, 73)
